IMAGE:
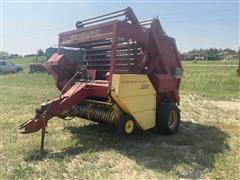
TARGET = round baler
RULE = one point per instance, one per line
(127, 76)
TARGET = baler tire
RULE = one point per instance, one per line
(126, 125)
(168, 118)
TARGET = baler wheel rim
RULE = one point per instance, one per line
(126, 125)
(173, 119)
(129, 126)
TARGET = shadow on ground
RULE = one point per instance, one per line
(195, 145)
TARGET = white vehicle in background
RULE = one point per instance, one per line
(8, 67)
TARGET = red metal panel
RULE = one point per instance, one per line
(132, 31)
(60, 68)
(164, 83)
(87, 34)
(92, 73)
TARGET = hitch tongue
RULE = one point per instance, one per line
(34, 125)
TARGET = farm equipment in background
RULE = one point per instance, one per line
(33, 68)
(36, 67)
(128, 76)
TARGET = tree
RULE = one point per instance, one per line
(40, 52)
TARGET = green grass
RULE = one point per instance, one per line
(223, 62)
(207, 145)
(215, 82)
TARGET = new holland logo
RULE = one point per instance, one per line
(86, 34)
(66, 39)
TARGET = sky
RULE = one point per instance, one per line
(28, 26)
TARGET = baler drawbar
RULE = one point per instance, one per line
(126, 75)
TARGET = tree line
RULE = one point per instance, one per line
(213, 53)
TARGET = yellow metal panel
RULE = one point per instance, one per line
(115, 82)
(139, 103)
(135, 95)
(132, 85)
(120, 103)
(145, 119)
